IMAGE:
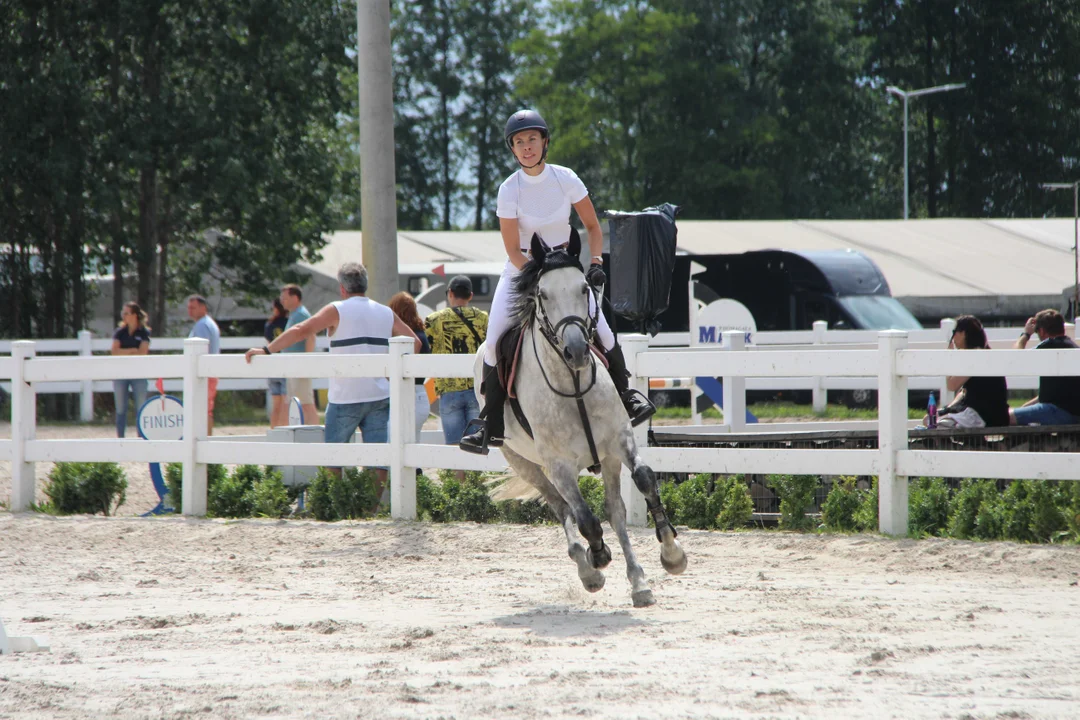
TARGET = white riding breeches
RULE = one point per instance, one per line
(499, 316)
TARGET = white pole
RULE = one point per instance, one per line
(23, 427)
(946, 395)
(1076, 248)
(695, 391)
(86, 394)
(905, 158)
(193, 494)
(892, 435)
(634, 344)
(734, 387)
(402, 432)
(821, 394)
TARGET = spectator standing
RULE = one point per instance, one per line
(132, 337)
(275, 325)
(206, 328)
(1058, 401)
(291, 297)
(458, 329)
(404, 307)
(979, 401)
(357, 326)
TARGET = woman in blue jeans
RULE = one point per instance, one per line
(132, 337)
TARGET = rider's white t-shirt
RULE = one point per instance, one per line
(541, 204)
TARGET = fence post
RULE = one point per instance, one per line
(402, 431)
(193, 494)
(946, 395)
(892, 434)
(86, 394)
(636, 512)
(23, 427)
(734, 387)
(821, 394)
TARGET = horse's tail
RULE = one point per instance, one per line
(511, 487)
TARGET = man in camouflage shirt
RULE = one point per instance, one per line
(457, 329)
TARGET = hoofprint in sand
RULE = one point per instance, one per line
(180, 618)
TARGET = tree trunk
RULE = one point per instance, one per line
(931, 160)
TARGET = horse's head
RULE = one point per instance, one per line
(562, 307)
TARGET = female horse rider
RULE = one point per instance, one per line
(537, 199)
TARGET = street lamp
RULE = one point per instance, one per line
(1075, 187)
(913, 94)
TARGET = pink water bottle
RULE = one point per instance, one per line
(931, 413)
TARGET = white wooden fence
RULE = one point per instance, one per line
(890, 364)
(85, 345)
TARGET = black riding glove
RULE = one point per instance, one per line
(596, 277)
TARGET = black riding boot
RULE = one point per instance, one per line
(490, 430)
(637, 405)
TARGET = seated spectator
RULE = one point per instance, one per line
(1058, 401)
(404, 307)
(980, 401)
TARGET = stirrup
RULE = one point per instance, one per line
(637, 406)
(478, 442)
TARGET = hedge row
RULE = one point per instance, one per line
(1025, 511)
(84, 488)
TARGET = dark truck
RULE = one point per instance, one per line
(789, 290)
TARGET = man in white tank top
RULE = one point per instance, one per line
(358, 326)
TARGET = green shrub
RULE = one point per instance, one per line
(592, 489)
(928, 506)
(866, 517)
(838, 510)
(796, 498)
(1018, 512)
(346, 497)
(86, 488)
(466, 501)
(1050, 507)
(231, 495)
(269, 496)
(173, 482)
(320, 502)
(990, 518)
(525, 512)
(738, 507)
(705, 503)
(1070, 501)
(964, 521)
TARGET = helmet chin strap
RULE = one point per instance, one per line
(543, 157)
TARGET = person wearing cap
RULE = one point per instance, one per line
(457, 329)
(537, 199)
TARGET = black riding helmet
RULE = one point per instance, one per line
(526, 120)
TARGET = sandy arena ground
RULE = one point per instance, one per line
(178, 618)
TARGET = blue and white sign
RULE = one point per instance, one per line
(719, 317)
(160, 418)
(296, 411)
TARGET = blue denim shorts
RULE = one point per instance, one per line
(457, 409)
(1043, 414)
(277, 386)
(343, 419)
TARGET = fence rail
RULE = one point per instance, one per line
(891, 365)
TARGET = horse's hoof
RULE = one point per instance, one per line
(643, 598)
(595, 582)
(675, 565)
(601, 559)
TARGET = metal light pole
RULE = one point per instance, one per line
(1075, 187)
(905, 94)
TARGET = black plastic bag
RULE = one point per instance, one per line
(642, 251)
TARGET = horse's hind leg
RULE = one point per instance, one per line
(616, 510)
(591, 578)
(672, 556)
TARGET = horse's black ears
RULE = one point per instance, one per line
(574, 248)
(537, 248)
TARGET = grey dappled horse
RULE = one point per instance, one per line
(552, 302)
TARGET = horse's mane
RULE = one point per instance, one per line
(524, 285)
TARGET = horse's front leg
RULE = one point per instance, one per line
(564, 476)
(616, 510)
(672, 556)
(591, 578)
